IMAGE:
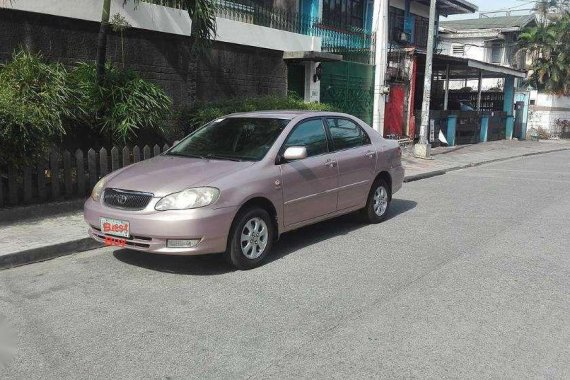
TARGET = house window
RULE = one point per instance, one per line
(421, 31)
(458, 50)
(395, 24)
(496, 53)
(343, 13)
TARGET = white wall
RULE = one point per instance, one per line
(169, 20)
(143, 16)
(474, 48)
(241, 33)
(546, 110)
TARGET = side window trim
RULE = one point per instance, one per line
(329, 135)
(328, 141)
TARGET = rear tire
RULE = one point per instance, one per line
(378, 202)
(251, 238)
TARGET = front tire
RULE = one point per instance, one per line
(251, 239)
(378, 202)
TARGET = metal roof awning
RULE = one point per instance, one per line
(310, 56)
(465, 68)
(491, 68)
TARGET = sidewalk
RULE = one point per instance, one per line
(459, 157)
(44, 238)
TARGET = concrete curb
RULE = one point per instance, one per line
(21, 214)
(439, 172)
(85, 244)
(48, 252)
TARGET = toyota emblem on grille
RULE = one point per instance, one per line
(121, 199)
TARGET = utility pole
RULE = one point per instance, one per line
(423, 149)
(380, 31)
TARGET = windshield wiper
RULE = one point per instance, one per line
(220, 157)
(190, 155)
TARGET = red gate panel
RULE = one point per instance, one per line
(394, 114)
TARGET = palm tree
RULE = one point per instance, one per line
(201, 12)
(548, 46)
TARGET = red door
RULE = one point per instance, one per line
(394, 114)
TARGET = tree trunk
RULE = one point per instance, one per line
(102, 41)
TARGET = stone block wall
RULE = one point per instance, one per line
(228, 71)
(232, 71)
(162, 58)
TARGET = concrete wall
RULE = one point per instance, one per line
(236, 32)
(546, 110)
(231, 71)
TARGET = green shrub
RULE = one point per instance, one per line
(121, 105)
(34, 103)
(203, 113)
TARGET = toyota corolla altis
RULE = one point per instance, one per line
(240, 181)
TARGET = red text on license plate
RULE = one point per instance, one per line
(115, 227)
(115, 242)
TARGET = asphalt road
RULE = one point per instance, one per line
(469, 278)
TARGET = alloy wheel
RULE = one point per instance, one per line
(254, 237)
(380, 201)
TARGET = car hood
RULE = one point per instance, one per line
(163, 175)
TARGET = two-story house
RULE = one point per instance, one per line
(486, 39)
(493, 40)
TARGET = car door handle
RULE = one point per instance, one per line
(331, 163)
(370, 154)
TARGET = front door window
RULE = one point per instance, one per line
(311, 135)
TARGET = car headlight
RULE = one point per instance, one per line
(190, 198)
(98, 189)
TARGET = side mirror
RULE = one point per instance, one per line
(295, 153)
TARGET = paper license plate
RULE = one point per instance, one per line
(115, 227)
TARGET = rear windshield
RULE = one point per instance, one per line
(233, 138)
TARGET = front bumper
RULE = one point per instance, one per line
(150, 229)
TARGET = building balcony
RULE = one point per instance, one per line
(353, 43)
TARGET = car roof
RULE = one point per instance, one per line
(285, 114)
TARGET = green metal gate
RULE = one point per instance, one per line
(296, 80)
(350, 87)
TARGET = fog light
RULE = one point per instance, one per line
(182, 243)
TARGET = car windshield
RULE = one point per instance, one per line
(232, 138)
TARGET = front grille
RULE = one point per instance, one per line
(125, 199)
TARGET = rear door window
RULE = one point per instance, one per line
(346, 134)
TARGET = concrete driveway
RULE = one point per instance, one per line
(469, 278)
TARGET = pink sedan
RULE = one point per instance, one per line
(239, 182)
